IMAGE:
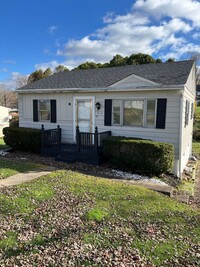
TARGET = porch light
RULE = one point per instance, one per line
(98, 105)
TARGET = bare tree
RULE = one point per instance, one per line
(20, 81)
(8, 98)
(196, 57)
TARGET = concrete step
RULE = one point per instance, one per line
(182, 198)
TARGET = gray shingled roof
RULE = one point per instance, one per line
(170, 73)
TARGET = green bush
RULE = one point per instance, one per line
(25, 139)
(196, 125)
(196, 135)
(144, 156)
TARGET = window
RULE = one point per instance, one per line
(116, 112)
(150, 116)
(187, 110)
(139, 113)
(44, 110)
(133, 112)
(192, 111)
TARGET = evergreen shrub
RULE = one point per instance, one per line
(139, 155)
(24, 139)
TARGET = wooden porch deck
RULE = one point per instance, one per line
(88, 148)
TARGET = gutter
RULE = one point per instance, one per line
(106, 89)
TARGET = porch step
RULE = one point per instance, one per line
(70, 154)
(50, 151)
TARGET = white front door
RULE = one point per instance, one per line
(84, 115)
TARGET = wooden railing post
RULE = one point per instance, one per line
(96, 140)
(78, 141)
(42, 135)
(59, 136)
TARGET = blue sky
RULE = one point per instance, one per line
(40, 34)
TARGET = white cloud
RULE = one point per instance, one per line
(196, 35)
(44, 66)
(187, 9)
(52, 29)
(52, 65)
(186, 50)
(70, 63)
(4, 70)
(151, 26)
(125, 37)
(9, 61)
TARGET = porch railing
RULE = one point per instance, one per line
(90, 141)
(51, 137)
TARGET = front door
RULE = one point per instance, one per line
(84, 115)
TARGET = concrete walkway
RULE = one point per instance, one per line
(22, 177)
(164, 189)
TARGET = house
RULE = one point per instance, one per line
(4, 118)
(150, 101)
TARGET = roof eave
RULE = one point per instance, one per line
(104, 89)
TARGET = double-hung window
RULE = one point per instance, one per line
(135, 112)
(44, 110)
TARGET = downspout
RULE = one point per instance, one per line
(180, 134)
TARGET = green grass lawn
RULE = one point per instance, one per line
(71, 218)
(8, 168)
(196, 144)
(197, 110)
(196, 148)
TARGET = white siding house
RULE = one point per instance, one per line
(153, 101)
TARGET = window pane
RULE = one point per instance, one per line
(84, 110)
(116, 111)
(133, 113)
(44, 104)
(44, 110)
(44, 115)
(151, 105)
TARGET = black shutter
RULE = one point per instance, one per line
(161, 113)
(108, 112)
(35, 110)
(53, 110)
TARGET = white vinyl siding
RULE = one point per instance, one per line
(133, 80)
(65, 115)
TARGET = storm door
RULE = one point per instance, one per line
(84, 115)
